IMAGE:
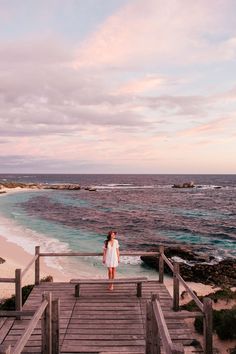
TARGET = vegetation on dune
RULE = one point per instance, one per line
(223, 320)
(9, 304)
(222, 294)
(223, 323)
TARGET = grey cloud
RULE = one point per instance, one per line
(41, 94)
(41, 50)
(62, 120)
(184, 105)
(28, 164)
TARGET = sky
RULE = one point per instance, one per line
(118, 86)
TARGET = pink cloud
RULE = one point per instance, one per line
(148, 32)
(147, 83)
(212, 127)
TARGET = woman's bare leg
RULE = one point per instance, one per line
(113, 272)
(110, 273)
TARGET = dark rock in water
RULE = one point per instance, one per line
(185, 252)
(2, 192)
(90, 189)
(2, 260)
(184, 185)
(197, 268)
(222, 273)
(63, 187)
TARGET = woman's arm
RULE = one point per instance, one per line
(118, 254)
(104, 255)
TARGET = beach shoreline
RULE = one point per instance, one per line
(16, 257)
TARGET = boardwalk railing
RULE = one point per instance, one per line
(48, 311)
(205, 307)
(157, 331)
(17, 280)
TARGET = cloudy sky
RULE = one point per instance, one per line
(118, 86)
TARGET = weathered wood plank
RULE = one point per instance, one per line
(108, 281)
(92, 254)
(46, 325)
(26, 334)
(2, 321)
(16, 313)
(100, 316)
(91, 349)
(7, 280)
(5, 349)
(111, 337)
(56, 326)
(5, 329)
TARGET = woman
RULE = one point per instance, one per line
(111, 255)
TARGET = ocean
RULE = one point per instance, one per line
(144, 209)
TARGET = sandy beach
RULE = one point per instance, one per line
(16, 257)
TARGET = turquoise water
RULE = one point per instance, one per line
(144, 209)
(55, 237)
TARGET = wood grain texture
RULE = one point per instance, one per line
(100, 320)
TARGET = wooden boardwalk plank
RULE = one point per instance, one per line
(99, 321)
(6, 326)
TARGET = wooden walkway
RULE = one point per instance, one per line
(99, 321)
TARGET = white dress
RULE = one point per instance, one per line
(111, 254)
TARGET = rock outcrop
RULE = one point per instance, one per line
(184, 185)
(2, 260)
(62, 186)
(198, 268)
(12, 185)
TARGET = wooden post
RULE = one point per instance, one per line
(46, 322)
(161, 264)
(148, 327)
(77, 290)
(176, 287)
(139, 289)
(18, 290)
(207, 325)
(156, 349)
(5, 349)
(56, 326)
(37, 266)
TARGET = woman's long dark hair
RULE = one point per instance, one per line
(109, 237)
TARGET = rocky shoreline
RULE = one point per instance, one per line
(198, 268)
(13, 185)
